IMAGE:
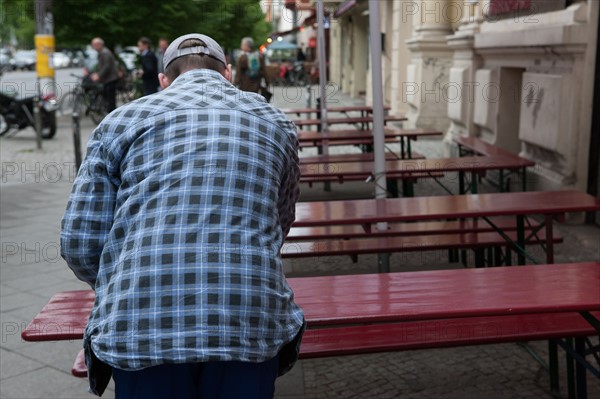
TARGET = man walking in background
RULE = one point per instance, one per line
(149, 67)
(106, 73)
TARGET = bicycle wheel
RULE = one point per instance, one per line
(67, 102)
(97, 108)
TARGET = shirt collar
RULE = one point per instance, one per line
(200, 76)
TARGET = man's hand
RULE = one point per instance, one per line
(95, 77)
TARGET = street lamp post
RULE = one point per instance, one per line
(44, 45)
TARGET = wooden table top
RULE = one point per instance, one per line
(366, 211)
(350, 120)
(333, 135)
(399, 168)
(426, 295)
(351, 108)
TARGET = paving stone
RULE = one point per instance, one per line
(13, 364)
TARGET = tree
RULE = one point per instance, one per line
(17, 22)
(124, 22)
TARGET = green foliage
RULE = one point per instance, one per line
(17, 21)
(124, 21)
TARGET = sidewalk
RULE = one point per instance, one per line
(34, 187)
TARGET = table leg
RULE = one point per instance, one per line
(392, 188)
(549, 240)
(553, 368)
(402, 151)
(521, 239)
(408, 187)
(408, 148)
(474, 177)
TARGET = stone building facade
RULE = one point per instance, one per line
(517, 73)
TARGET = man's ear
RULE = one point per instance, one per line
(227, 73)
(164, 81)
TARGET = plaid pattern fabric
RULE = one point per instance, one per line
(176, 219)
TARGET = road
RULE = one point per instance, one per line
(23, 83)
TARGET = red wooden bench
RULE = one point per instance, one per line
(400, 229)
(442, 333)
(480, 242)
(355, 157)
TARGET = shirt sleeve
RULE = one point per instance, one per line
(290, 187)
(89, 216)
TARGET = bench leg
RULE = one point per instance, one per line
(479, 257)
(580, 375)
(464, 258)
(392, 187)
(383, 263)
(570, 361)
(553, 364)
(452, 255)
(498, 256)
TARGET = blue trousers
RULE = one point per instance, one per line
(212, 380)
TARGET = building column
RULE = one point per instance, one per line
(431, 59)
(461, 90)
(402, 26)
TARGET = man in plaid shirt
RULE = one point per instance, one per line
(176, 220)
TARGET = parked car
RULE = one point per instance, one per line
(24, 59)
(77, 57)
(61, 60)
(5, 62)
(129, 59)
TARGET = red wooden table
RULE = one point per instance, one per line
(405, 137)
(363, 109)
(364, 121)
(549, 204)
(404, 169)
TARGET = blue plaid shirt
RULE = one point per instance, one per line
(177, 218)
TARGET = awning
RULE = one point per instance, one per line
(344, 8)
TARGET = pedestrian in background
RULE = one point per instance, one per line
(163, 43)
(106, 73)
(176, 220)
(250, 67)
(149, 67)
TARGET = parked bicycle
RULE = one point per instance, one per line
(88, 96)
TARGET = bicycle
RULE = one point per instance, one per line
(86, 95)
